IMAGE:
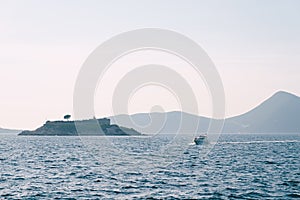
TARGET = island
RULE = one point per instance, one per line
(9, 131)
(87, 128)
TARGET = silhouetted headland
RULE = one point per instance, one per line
(9, 131)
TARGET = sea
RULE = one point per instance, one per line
(238, 166)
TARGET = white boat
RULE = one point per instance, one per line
(200, 139)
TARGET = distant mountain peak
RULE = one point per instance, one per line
(279, 113)
(284, 94)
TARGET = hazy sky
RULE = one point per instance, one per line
(254, 44)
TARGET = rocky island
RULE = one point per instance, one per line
(88, 128)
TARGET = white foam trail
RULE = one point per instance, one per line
(262, 141)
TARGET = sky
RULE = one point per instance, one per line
(254, 45)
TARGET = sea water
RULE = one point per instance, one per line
(239, 166)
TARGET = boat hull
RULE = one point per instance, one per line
(199, 140)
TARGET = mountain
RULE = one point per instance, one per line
(9, 131)
(162, 122)
(278, 114)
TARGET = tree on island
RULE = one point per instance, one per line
(67, 117)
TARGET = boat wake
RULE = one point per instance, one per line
(262, 141)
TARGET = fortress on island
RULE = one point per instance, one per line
(87, 128)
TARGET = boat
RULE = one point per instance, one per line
(200, 139)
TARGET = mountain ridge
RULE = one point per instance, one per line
(9, 131)
(278, 113)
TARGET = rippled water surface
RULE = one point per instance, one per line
(239, 166)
